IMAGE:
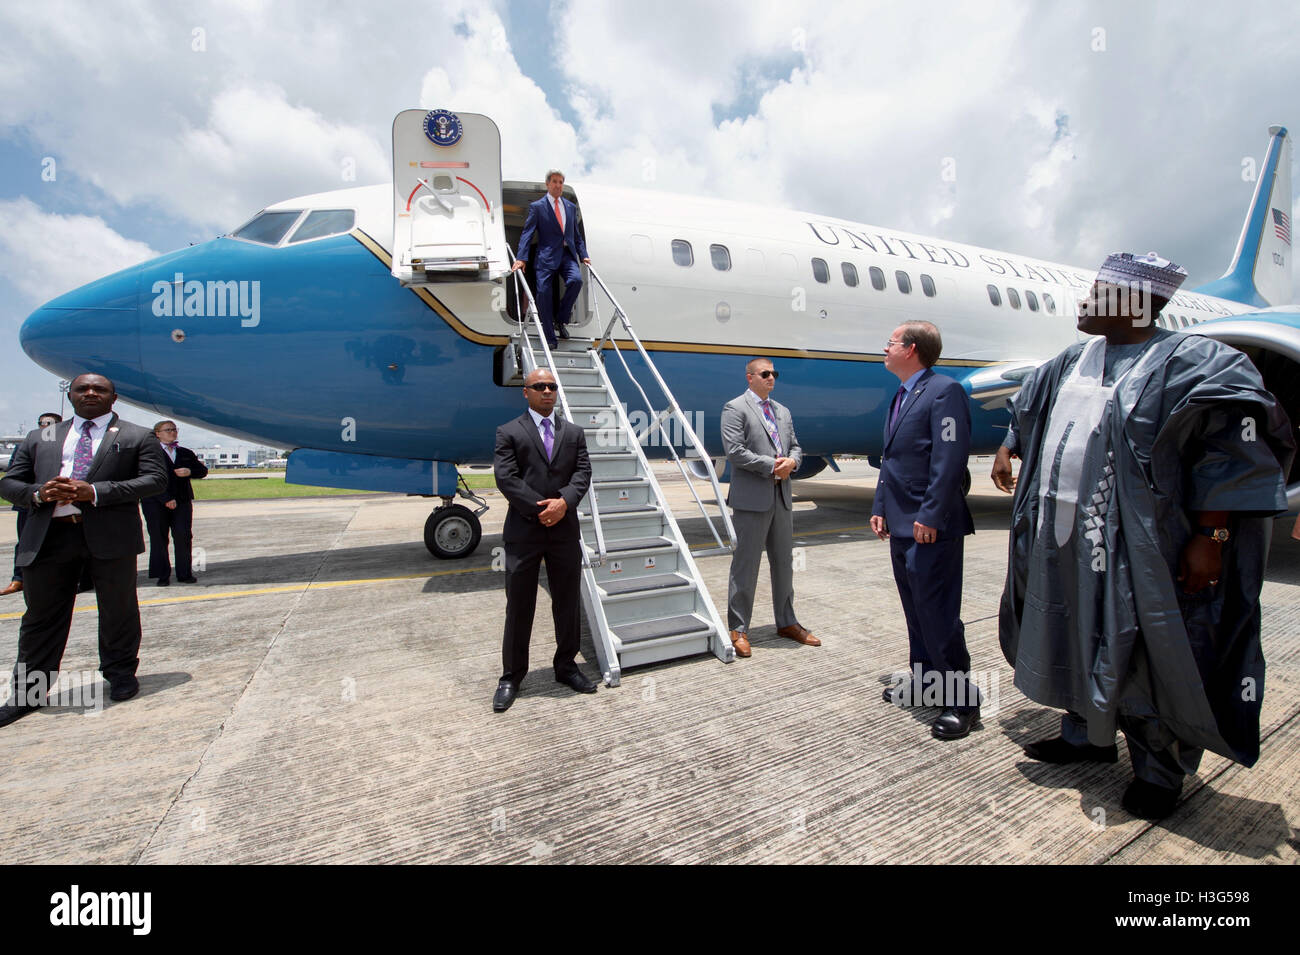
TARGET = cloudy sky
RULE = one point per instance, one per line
(1074, 129)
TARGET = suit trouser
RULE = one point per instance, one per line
(22, 521)
(1160, 767)
(571, 273)
(50, 591)
(771, 530)
(929, 585)
(564, 577)
(178, 522)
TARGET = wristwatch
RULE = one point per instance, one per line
(1218, 534)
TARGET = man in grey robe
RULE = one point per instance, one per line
(1151, 464)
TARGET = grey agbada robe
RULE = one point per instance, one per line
(1100, 625)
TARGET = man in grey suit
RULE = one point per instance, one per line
(758, 436)
(82, 480)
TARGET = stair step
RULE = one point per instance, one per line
(611, 510)
(619, 482)
(679, 626)
(636, 543)
(637, 585)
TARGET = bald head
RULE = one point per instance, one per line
(541, 391)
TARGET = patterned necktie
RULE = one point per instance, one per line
(774, 431)
(547, 439)
(83, 454)
(172, 444)
(558, 217)
(896, 407)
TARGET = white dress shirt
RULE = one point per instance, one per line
(98, 428)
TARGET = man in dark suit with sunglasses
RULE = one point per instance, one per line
(542, 468)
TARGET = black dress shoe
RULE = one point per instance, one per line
(1149, 801)
(564, 331)
(164, 581)
(1057, 750)
(504, 696)
(898, 694)
(187, 580)
(123, 689)
(11, 713)
(577, 682)
(955, 722)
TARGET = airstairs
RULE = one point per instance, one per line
(641, 588)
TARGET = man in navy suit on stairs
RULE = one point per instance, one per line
(560, 247)
(921, 510)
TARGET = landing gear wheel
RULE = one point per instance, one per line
(965, 482)
(452, 532)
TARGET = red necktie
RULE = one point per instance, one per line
(558, 217)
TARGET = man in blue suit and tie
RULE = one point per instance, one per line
(920, 509)
(560, 247)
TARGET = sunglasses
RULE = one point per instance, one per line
(768, 374)
(544, 386)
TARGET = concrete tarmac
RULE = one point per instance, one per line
(324, 695)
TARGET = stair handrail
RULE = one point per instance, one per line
(535, 317)
(692, 439)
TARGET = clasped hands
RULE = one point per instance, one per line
(784, 468)
(553, 511)
(66, 490)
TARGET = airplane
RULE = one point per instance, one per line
(372, 329)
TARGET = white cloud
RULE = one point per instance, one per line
(45, 254)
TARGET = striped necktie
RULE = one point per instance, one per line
(774, 431)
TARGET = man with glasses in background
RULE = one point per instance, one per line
(758, 435)
(542, 468)
(171, 513)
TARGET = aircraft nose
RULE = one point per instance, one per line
(95, 328)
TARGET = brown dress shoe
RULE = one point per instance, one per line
(15, 586)
(740, 643)
(799, 635)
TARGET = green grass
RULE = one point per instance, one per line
(272, 485)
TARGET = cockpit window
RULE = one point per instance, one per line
(268, 228)
(323, 222)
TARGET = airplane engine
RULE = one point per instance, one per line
(720, 466)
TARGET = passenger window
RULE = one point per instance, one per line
(682, 252)
(927, 285)
(877, 279)
(1013, 297)
(994, 295)
(323, 222)
(1050, 303)
(850, 273)
(268, 228)
(754, 261)
(821, 272)
(641, 248)
(786, 265)
(1032, 301)
(904, 281)
(721, 258)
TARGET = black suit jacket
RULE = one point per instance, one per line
(179, 488)
(129, 465)
(525, 476)
(924, 461)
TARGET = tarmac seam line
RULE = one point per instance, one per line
(221, 730)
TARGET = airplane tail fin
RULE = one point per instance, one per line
(1260, 273)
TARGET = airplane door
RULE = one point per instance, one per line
(448, 224)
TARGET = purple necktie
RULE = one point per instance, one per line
(547, 439)
(82, 455)
(776, 433)
(894, 408)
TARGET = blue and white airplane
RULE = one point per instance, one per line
(337, 324)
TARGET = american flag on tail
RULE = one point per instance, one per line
(1282, 225)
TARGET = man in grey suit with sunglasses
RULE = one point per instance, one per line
(758, 435)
